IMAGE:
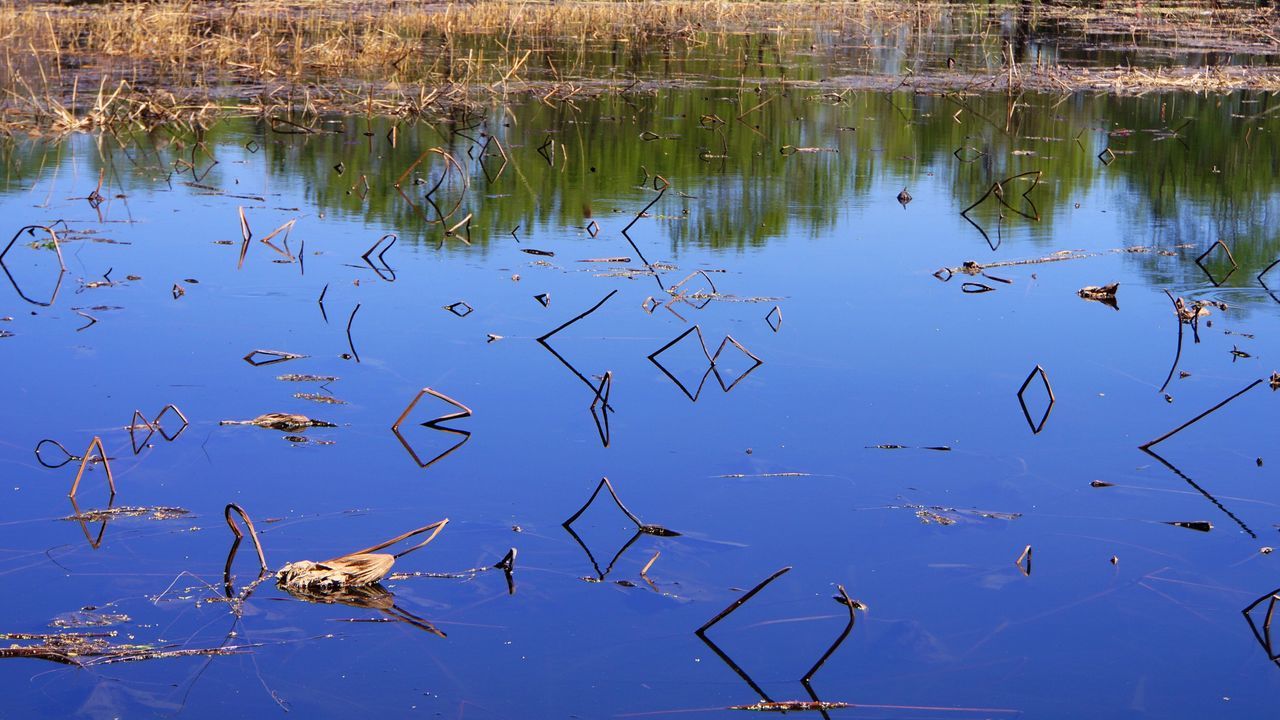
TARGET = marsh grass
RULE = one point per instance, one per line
(91, 66)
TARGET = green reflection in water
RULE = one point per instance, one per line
(733, 186)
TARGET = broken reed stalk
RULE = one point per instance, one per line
(578, 317)
(464, 410)
(604, 483)
(1196, 486)
(543, 342)
(84, 462)
(508, 567)
(741, 601)
(696, 330)
(160, 427)
(674, 288)
(434, 528)
(350, 343)
(644, 571)
(661, 191)
(1177, 314)
(853, 607)
(31, 230)
(133, 425)
(286, 229)
(245, 235)
(604, 391)
(1264, 636)
(253, 532)
(1150, 444)
(373, 247)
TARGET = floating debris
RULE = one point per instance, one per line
(316, 397)
(1024, 561)
(786, 706)
(159, 512)
(363, 567)
(950, 516)
(307, 378)
(287, 422)
(88, 617)
(276, 356)
(1105, 294)
(1198, 525)
(87, 649)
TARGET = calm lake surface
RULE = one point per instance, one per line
(782, 198)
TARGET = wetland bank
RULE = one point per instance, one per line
(639, 360)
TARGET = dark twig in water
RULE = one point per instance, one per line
(69, 457)
(463, 410)
(602, 399)
(547, 336)
(160, 427)
(1036, 428)
(508, 567)
(1234, 266)
(1177, 313)
(1024, 561)
(740, 601)
(434, 424)
(1199, 489)
(1264, 635)
(351, 343)
(385, 272)
(853, 606)
(1150, 444)
(643, 528)
(277, 356)
(134, 426)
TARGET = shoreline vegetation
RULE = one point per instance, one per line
(72, 67)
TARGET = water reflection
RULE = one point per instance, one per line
(661, 217)
(1203, 182)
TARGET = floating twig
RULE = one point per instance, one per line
(1036, 428)
(460, 308)
(351, 343)
(463, 410)
(385, 271)
(278, 356)
(84, 462)
(160, 427)
(1177, 312)
(774, 319)
(133, 426)
(1234, 266)
(739, 602)
(1152, 443)
(642, 527)
(1024, 561)
(253, 533)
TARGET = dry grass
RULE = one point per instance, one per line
(84, 67)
